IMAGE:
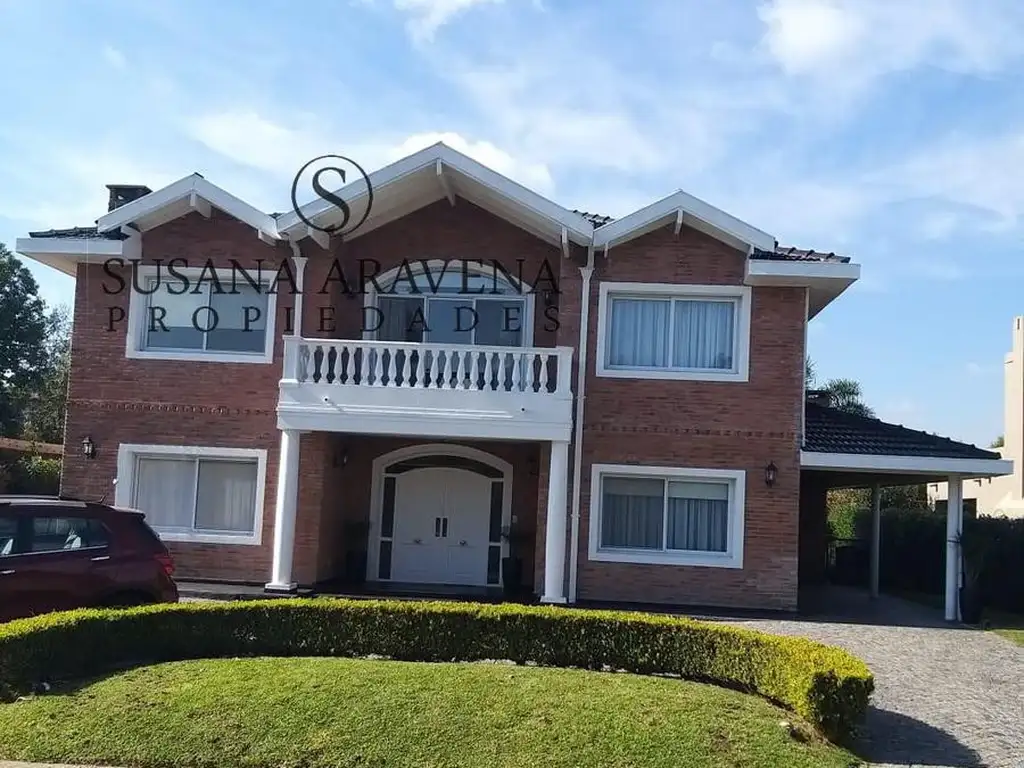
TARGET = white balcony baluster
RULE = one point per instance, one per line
(405, 365)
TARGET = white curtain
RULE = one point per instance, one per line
(632, 512)
(164, 491)
(698, 516)
(703, 334)
(638, 337)
(227, 496)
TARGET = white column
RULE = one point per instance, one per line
(876, 536)
(284, 514)
(954, 526)
(554, 533)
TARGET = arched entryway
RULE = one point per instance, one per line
(440, 514)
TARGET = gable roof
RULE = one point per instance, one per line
(828, 430)
(435, 173)
(191, 193)
(683, 208)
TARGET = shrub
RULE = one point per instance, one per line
(913, 552)
(35, 475)
(827, 686)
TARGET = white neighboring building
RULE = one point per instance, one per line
(1002, 495)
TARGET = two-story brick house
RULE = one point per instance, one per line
(474, 373)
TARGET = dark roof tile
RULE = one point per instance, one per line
(827, 430)
(81, 233)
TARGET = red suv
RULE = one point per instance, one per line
(59, 553)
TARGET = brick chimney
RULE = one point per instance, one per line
(121, 194)
(820, 397)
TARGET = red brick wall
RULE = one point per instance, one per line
(722, 425)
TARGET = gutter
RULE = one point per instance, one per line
(586, 273)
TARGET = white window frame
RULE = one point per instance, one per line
(739, 295)
(138, 316)
(731, 558)
(128, 455)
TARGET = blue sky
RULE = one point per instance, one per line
(889, 130)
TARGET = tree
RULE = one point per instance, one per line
(44, 413)
(999, 442)
(23, 329)
(809, 373)
(846, 395)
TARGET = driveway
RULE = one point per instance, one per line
(944, 696)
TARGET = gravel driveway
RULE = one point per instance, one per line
(944, 696)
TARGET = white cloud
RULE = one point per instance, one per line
(534, 175)
(250, 139)
(428, 16)
(847, 43)
(114, 57)
(939, 225)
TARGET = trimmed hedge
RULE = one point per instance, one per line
(827, 686)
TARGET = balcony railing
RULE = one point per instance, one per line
(407, 366)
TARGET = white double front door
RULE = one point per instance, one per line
(441, 527)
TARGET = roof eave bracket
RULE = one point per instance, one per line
(446, 187)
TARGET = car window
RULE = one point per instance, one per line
(60, 534)
(8, 532)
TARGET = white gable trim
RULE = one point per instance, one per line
(183, 196)
(682, 208)
(443, 162)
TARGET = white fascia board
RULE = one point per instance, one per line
(68, 246)
(579, 228)
(926, 465)
(191, 187)
(65, 254)
(666, 209)
(779, 272)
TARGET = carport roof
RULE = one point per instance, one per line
(828, 430)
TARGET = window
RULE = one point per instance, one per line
(451, 305)
(190, 318)
(8, 535)
(651, 330)
(60, 534)
(674, 516)
(196, 494)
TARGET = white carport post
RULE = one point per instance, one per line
(876, 536)
(954, 527)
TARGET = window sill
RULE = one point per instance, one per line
(243, 539)
(696, 559)
(670, 375)
(200, 357)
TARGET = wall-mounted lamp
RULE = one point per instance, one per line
(771, 472)
(341, 457)
(88, 447)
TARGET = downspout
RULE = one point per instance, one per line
(300, 269)
(586, 273)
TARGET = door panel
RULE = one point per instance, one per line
(467, 505)
(417, 551)
(441, 527)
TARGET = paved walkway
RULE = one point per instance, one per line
(944, 696)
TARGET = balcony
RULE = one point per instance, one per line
(428, 389)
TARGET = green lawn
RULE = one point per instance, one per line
(308, 713)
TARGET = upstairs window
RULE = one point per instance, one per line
(451, 305)
(673, 332)
(197, 318)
